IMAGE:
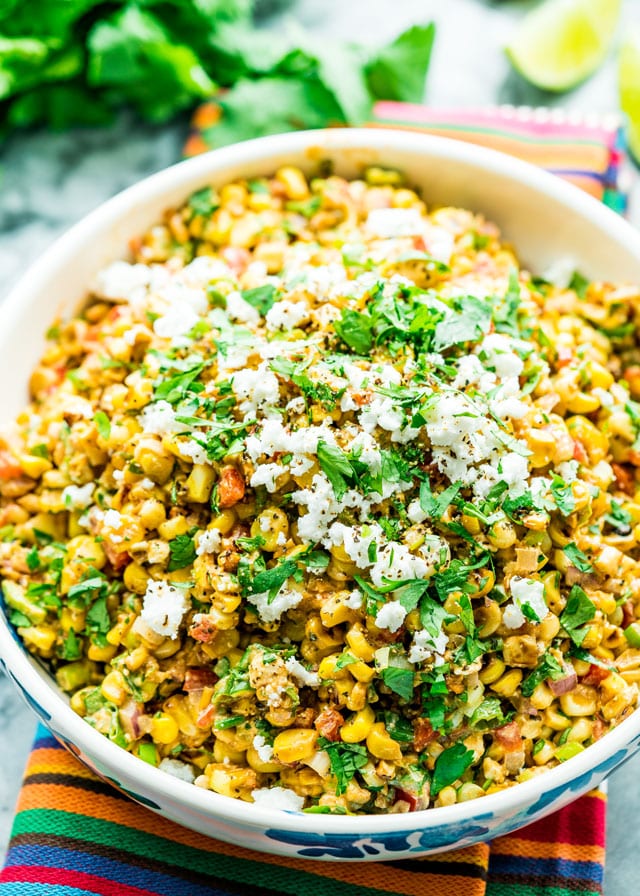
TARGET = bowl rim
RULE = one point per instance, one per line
(124, 764)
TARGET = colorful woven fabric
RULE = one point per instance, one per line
(586, 150)
(75, 835)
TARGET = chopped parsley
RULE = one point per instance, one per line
(578, 611)
(262, 298)
(450, 765)
(345, 761)
(577, 557)
(400, 681)
(182, 552)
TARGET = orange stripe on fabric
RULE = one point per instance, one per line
(516, 846)
(390, 878)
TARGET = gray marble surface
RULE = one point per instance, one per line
(49, 181)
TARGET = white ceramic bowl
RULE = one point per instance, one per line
(547, 221)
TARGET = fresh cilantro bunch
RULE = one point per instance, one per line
(67, 62)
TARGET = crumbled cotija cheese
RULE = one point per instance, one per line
(163, 608)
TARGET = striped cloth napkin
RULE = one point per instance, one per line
(75, 835)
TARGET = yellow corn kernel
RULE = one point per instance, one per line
(72, 618)
(545, 753)
(259, 765)
(581, 701)
(492, 671)
(328, 667)
(508, 684)
(34, 466)
(593, 637)
(582, 403)
(113, 688)
(542, 696)
(548, 628)
(469, 791)
(171, 528)
(361, 672)
(502, 535)
(77, 703)
(381, 745)
(152, 513)
(101, 654)
(358, 644)
(155, 461)
(137, 658)
(200, 483)
(224, 521)
(335, 611)
(84, 547)
(164, 729)
(294, 182)
(295, 744)
(446, 797)
(581, 730)
(136, 578)
(358, 727)
(555, 720)
(272, 525)
(357, 698)
(554, 599)
(222, 751)
(41, 637)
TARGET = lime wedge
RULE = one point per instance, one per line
(562, 42)
(629, 74)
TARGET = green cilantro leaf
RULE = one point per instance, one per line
(71, 647)
(345, 760)
(182, 552)
(471, 319)
(577, 557)
(355, 329)
(578, 610)
(262, 298)
(563, 495)
(398, 71)
(103, 424)
(450, 765)
(400, 681)
(579, 285)
(435, 505)
(548, 667)
(488, 714)
(336, 466)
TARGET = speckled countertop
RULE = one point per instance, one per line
(49, 181)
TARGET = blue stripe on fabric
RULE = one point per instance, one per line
(556, 867)
(44, 738)
(111, 869)
(22, 888)
(577, 172)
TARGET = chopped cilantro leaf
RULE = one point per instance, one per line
(400, 681)
(71, 646)
(563, 495)
(345, 761)
(182, 552)
(548, 667)
(471, 319)
(450, 765)
(579, 284)
(579, 610)
(355, 329)
(435, 505)
(103, 424)
(577, 557)
(262, 298)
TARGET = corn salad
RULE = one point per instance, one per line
(324, 503)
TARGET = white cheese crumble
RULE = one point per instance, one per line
(177, 321)
(278, 798)
(272, 611)
(391, 615)
(158, 418)
(239, 309)
(163, 608)
(121, 282)
(78, 497)
(178, 769)
(424, 646)
(256, 389)
(262, 748)
(302, 675)
(525, 593)
(285, 315)
(208, 542)
(386, 223)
